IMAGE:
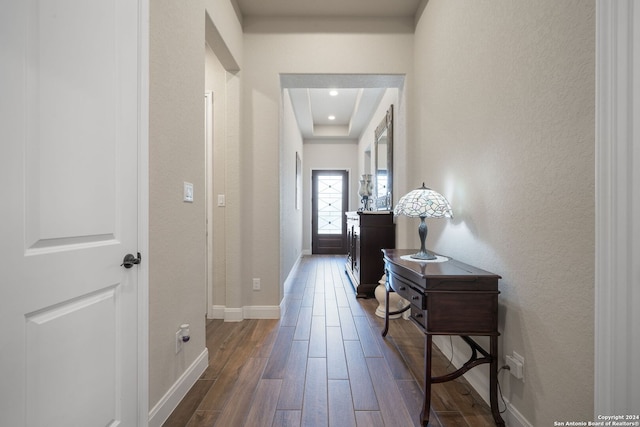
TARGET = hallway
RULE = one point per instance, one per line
(324, 363)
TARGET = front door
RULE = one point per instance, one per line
(329, 202)
(70, 133)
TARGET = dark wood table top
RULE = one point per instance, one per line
(451, 270)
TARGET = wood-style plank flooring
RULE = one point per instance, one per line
(324, 363)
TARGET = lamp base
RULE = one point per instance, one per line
(423, 255)
(422, 232)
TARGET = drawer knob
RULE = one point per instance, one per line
(402, 288)
(415, 297)
(419, 315)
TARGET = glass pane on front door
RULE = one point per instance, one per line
(330, 204)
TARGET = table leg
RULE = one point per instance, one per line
(426, 406)
(386, 311)
(493, 382)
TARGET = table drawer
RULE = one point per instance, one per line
(418, 315)
(411, 294)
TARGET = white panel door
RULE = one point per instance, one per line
(69, 138)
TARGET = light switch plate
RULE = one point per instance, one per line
(188, 192)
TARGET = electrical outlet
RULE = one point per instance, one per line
(516, 365)
(256, 284)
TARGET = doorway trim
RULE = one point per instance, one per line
(208, 144)
(143, 212)
(617, 201)
(315, 236)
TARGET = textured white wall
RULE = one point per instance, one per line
(176, 153)
(504, 127)
(290, 216)
(229, 37)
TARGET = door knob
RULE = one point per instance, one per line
(130, 260)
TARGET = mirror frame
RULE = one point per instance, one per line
(384, 202)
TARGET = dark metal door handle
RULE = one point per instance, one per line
(130, 260)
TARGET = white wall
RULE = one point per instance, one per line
(177, 262)
(290, 214)
(504, 128)
(176, 153)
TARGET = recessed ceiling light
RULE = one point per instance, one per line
(333, 92)
(332, 117)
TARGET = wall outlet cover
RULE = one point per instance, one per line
(188, 192)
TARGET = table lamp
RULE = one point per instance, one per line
(423, 203)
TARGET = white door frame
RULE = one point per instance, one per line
(143, 214)
(617, 297)
(208, 143)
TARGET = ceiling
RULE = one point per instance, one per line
(353, 103)
(358, 96)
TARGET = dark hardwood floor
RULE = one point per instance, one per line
(323, 363)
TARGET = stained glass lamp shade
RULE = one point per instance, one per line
(423, 203)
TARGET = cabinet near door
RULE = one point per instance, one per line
(368, 232)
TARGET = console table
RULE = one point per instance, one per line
(448, 298)
(367, 233)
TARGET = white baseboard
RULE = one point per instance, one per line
(247, 312)
(216, 312)
(306, 252)
(161, 411)
(514, 418)
(478, 378)
(228, 314)
(261, 312)
(233, 314)
(293, 269)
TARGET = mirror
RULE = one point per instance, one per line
(384, 163)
